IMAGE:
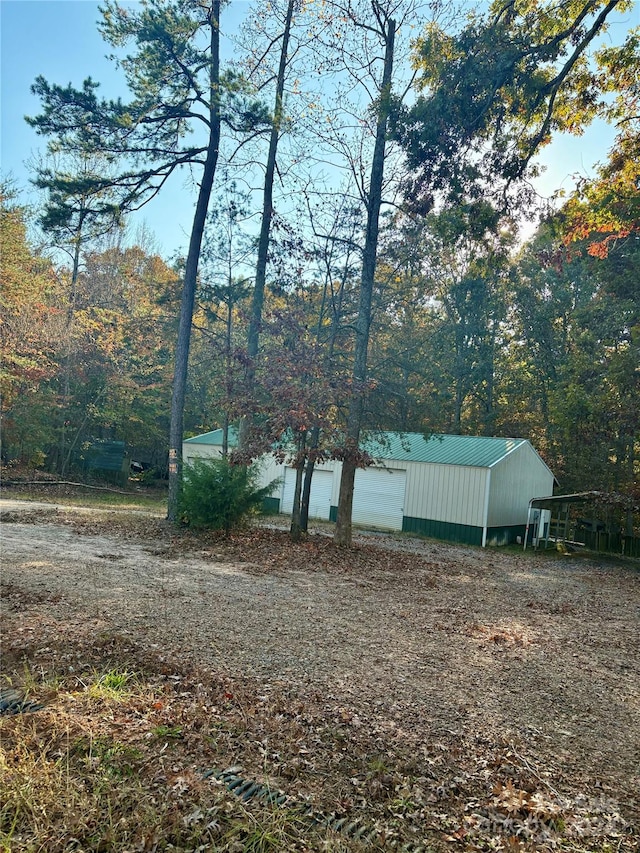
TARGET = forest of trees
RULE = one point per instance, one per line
(361, 174)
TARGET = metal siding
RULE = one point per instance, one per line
(445, 492)
(104, 455)
(268, 471)
(449, 493)
(378, 497)
(465, 450)
(270, 506)
(214, 438)
(463, 533)
(202, 451)
(320, 499)
(514, 481)
(505, 535)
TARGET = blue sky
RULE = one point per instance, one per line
(59, 39)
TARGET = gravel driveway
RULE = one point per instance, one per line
(442, 639)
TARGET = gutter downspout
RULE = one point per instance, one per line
(486, 508)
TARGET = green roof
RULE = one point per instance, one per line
(476, 451)
(214, 437)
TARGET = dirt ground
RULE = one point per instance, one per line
(511, 672)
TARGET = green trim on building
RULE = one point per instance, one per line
(271, 506)
(505, 535)
(464, 533)
(214, 438)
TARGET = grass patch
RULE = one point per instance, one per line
(163, 732)
(94, 500)
(151, 500)
(111, 685)
(267, 831)
(115, 760)
(62, 789)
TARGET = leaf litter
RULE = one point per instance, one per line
(442, 695)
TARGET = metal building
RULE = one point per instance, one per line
(469, 489)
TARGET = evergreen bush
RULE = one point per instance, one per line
(218, 495)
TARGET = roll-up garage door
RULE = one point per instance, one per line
(378, 497)
(320, 499)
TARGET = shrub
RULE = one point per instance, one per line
(220, 496)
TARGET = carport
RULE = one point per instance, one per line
(555, 526)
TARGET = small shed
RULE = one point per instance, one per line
(108, 458)
(469, 489)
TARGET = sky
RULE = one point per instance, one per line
(59, 40)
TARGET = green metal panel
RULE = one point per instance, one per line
(463, 533)
(476, 451)
(333, 513)
(271, 506)
(215, 437)
(505, 535)
(107, 456)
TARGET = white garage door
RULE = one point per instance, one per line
(378, 497)
(320, 499)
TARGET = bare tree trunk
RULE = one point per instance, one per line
(363, 322)
(63, 458)
(457, 415)
(225, 425)
(490, 412)
(296, 526)
(257, 302)
(225, 436)
(191, 271)
(308, 478)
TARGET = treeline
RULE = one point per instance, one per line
(83, 359)
(353, 262)
(478, 338)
